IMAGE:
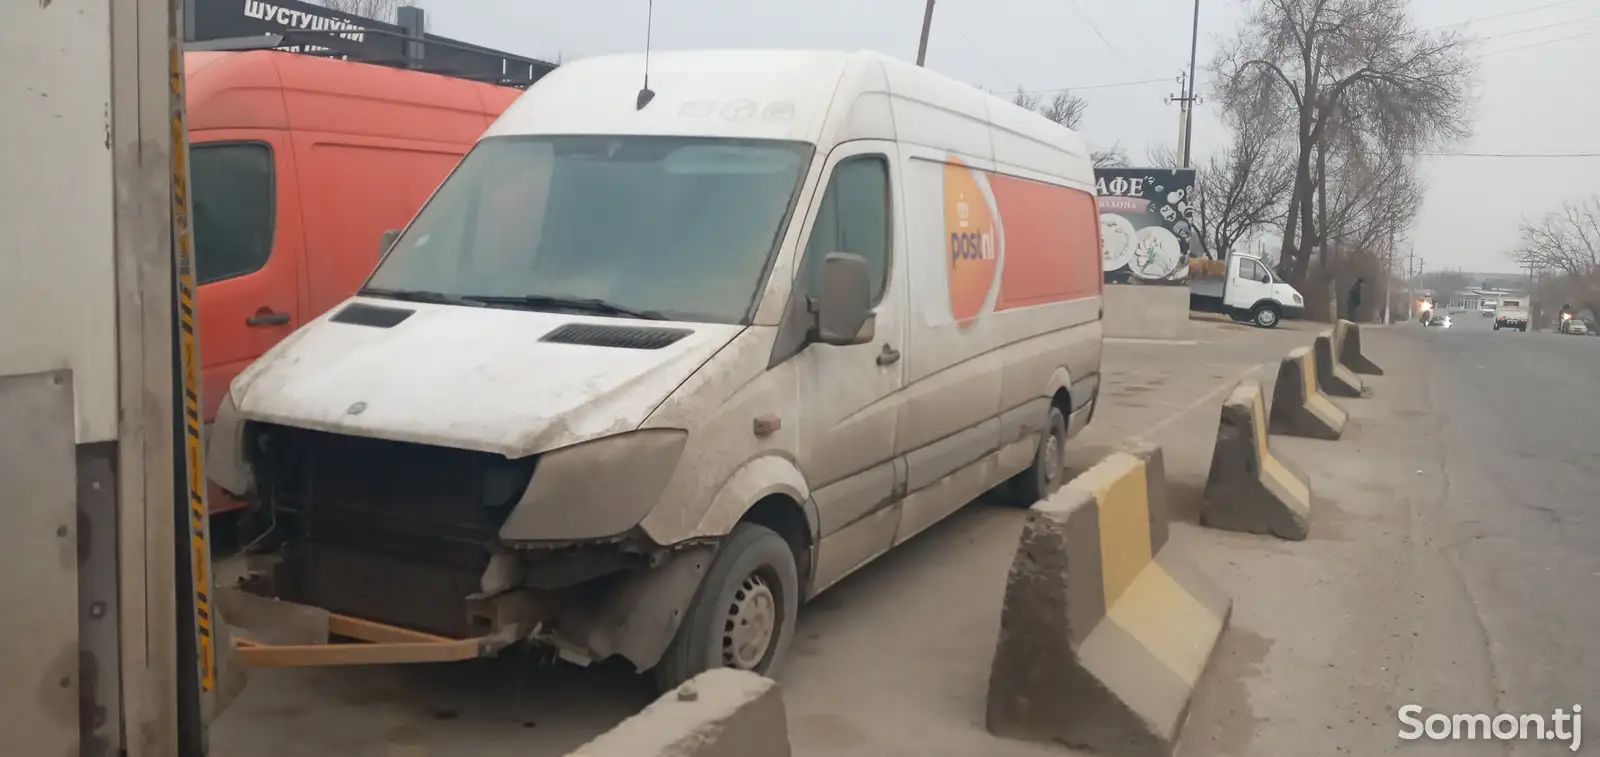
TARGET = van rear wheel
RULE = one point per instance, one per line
(1049, 468)
(743, 614)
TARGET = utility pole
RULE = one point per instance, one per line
(1188, 103)
(1388, 277)
(1411, 283)
(1185, 99)
(927, 25)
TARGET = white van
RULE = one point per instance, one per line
(651, 369)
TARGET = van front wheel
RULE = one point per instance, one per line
(1265, 316)
(1044, 477)
(744, 612)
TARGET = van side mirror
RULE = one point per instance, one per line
(388, 241)
(843, 307)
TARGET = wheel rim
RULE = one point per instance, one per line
(1052, 459)
(751, 624)
(1268, 317)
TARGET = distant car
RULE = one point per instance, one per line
(1575, 326)
(1487, 312)
(1436, 318)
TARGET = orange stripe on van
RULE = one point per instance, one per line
(1052, 252)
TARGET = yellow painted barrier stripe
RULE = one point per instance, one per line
(1292, 485)
(183, 247)
(1167, 621)
(1123, 496)
(1258, 423)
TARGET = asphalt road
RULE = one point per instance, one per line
(1520, 445)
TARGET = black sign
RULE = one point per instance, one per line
(308, 28)
(1146, 223)
(230, 19)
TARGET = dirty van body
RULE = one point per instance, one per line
(298, 163)
(637, 382)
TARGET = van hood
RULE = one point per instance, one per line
(471, 378)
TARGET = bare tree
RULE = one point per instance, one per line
(1068, 110)
(1111, 157)
(1241, 191)
(1566, 241)
(1065, 108)
(1363, 64)
(1367, 199)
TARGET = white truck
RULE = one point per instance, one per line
(1512, 314)
(1245, 288)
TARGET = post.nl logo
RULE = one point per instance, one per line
(968, 242)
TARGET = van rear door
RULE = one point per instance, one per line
(248, 247)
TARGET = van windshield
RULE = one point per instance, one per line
(676, 228)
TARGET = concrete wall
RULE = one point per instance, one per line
(1147, 312)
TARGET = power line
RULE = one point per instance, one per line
(1079, 12)
(984, 56)
(1504, 15)
(1112, 85)
(1540, 28)
(1538, 44)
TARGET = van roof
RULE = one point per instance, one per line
(792, 95)
(244, 90)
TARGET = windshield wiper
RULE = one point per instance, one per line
(417, 295)
(593, 305)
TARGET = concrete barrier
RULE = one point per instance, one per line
(1249, 489)
(719, 713)
(1334, 378)
(1347, 344)
(1299, 408)
(1105, 631)
(1146, 312)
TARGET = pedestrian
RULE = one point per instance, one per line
(1354, 301)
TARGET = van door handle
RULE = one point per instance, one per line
(265, 317)
(888, 356)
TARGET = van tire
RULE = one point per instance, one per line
(1266, 316)
(753, 573)
(1049, 469)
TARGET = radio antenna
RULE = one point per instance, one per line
(645, 95)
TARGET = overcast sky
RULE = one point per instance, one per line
(1097, 47)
